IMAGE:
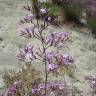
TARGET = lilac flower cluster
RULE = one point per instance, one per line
(55, 85)
(44, 15)
(29, 17)
(36, 90)
(66, 59)
(51, 86)
(61, 59)
(54, 60)
(26, 54)
(17, 85)
(52, 67)
(27, 32)
(56, 39)
(92, 81)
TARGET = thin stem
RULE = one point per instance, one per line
(44, 61)
(44, 54)
(37, 22)
(46, 75)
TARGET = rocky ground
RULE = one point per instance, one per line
(82, 45)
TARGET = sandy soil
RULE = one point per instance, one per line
(11, 12)
(82, 45)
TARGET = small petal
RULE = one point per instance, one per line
(44, 10)
(29, 17)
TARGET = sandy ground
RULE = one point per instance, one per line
(11, 12)
(82, 45)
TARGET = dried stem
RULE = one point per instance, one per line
(44, 54)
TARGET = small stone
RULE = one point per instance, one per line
(1, 39)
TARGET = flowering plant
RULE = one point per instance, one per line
(54, 62)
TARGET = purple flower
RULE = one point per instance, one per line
(29, 17)
(10, 91)
(54, 85)
(28, 49)
(55, 39)
(26, 54)
(52, 67)
(35, 90)
(27, 32)
(44, 11)
(13, 88)
(48, 19)
(66, 59)
(41, 86)
(50, 57)
(49, 40)
(60, 59)
(51, 86)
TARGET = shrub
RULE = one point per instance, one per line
(55, 1)
(72, 12)
(69, 11)
(92, 24)
(46, 5)
(55, 10)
